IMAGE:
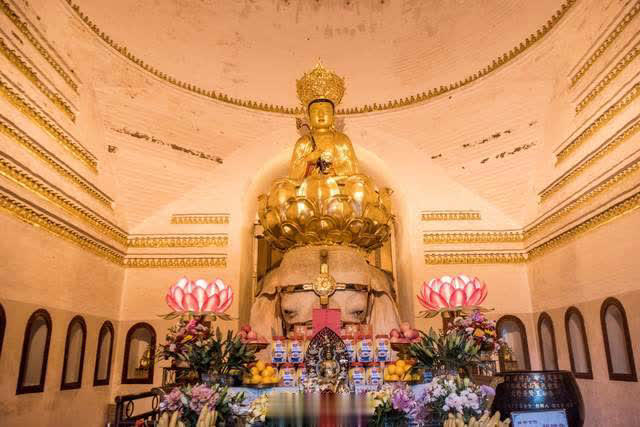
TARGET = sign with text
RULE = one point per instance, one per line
(326, 317)
(554, 418)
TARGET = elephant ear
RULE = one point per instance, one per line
(265, 318)
(268, 284)
(384, 313)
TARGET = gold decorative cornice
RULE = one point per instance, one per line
(580, 168)
(176, 262)
(611, 37)
(475, 257)
(602, 119)
(447, 237)
(177, 241)
(451, 216)
(471, 257)
(12, 205)
(611, 75)
(200, 219)
(21, 104)
(24, 29)
(35, 148)
(392, 104)
(36, 184)
(28, 72)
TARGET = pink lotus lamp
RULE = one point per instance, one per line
(200, 297)
(446, 294)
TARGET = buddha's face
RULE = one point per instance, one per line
(321, 115)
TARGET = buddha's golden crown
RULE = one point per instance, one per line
(320, 83)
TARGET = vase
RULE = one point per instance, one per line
(538, 391)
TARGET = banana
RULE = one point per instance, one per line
(174, 419)
(164, 420)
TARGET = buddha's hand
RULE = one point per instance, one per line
(313, 156)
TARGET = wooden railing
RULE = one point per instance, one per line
(126, 409)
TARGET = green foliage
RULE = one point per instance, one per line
(450, 351)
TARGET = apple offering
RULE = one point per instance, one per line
(247, 335)
(406, 334)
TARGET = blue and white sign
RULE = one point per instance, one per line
(554, 418)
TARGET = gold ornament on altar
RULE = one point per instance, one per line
(324, 200)
(325, 285)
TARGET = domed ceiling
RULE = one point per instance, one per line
(256, 49)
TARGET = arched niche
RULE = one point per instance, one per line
(579, 355)
(35, 353)
(617, 341)
(547, 340)
(139, 354)
(3, 326)
(74, 354)
(512, 330)
(104, 353)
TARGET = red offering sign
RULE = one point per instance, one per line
(326, 318)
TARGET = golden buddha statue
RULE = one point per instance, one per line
(324, 200)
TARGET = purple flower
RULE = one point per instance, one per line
(200, 395)
(489, 391)
(402, 400)
(172, 401)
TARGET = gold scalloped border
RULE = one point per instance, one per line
(461, 257)
(13, 57)
(613, 35)
(611, 75)
(219, 261)
(24, 29)
(178, 241)
(200, 219)
(602, 119)
(451, 216)
(25, 107)
(448, 237)
(9, 129)
(392, 104)
(580, 168)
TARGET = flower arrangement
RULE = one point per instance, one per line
(206, 352)
(201, 405)
(393, 405)
(451, 351)
(482, 330)
(257, 413)
(451, 394)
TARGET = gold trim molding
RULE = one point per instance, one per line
(200, 219)
(602, 119)
(24, 29)
(606, 43)
(13, 57)
(178, 241)
(451, 216)
(611, 75)
(38, 118)
(447, 237)
(580, 168)
(467, 257)
(392, 104)
(219, 261)
(12, 131)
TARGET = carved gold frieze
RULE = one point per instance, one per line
(9, 129)
(28, 72)
(611, 75)
(451, 216)
(200, 219)
(27, 179)
(178, 241)
(475, 257)
(608, 41)
(19, 209)
(175, 262)
(21, 104)
(602, 119)
(24, 29)
(392, 104)
(446, 237)
(580, 168)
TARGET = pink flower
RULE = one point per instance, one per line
(452, 292)
(199, 296)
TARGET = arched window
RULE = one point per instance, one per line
(512, 330)
(35, 353)
(139, 352)
(617, 341)
(579, 355)
(3, 326)
(547, 339)
(74, 354)
(102, 371)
